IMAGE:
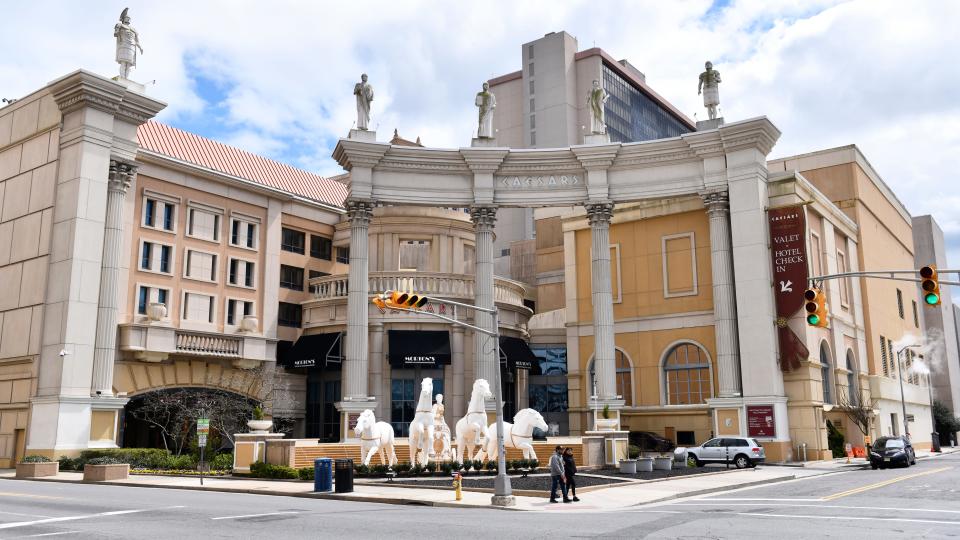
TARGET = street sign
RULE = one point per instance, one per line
(760, 421)
(203, 426)
(202, 439)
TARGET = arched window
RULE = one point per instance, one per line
(853, 382)
(686, 374)
(623, 375)
(825, 372)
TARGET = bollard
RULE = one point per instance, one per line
(458, 485)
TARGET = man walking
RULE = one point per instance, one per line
(557, 475)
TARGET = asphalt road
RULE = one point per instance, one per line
(922, 501)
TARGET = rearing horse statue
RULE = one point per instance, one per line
(472, 428)
(421, 428)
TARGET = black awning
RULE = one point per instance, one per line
(316, 350)
(425, 348)
(516, 353)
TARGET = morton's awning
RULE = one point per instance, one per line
(316, 350)
(424, 348)
(516, 353)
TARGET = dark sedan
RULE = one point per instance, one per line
(892, 451)
(651, 442)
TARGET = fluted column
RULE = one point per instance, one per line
(599, 215)
(457, 399)
(484, 351)
(376, 365)
(356, 364)
(724, 294)
(105, 343)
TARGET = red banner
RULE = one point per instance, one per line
(788, 253)
(761, 421)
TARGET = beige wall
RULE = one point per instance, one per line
(308, 263)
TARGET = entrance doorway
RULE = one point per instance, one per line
(323, 394)
(405, 392)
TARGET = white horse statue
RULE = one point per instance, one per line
(472, 428)
(517, 435)
(421, 428)
(375, 437)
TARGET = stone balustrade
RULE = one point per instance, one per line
(208, 344)
(444, 285)
(156, 342)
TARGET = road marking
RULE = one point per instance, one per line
(868, 487)
(756, 499)
(830, 506)
(27, 495)
(51, 534)
(851, 518)
(260, 515)
(22, 514)
(74, 518)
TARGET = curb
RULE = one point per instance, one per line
(717, 489)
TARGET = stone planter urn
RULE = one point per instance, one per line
(105, 473)
(645, 464)
(628, 466)
(249, 323)
(37, 470)
(606, 424)
(663, 463)
(156, 311)
(259, 426)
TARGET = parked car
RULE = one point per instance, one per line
(741, 451)
(651, 442)
(890, 451)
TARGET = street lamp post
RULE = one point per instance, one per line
(903, 401)
(934, 436)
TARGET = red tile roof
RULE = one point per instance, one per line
(210, 154)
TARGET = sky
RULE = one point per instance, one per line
(276, 77)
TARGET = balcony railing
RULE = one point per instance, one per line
(443, 285)
(155, 341)
(208, 345)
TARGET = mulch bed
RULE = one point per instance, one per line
(656, 475)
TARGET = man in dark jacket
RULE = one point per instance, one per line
(558, 476)
(570, 470)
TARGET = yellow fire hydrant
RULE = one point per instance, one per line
(458, 485)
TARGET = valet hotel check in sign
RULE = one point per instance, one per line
(788, 251)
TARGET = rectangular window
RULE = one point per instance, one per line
(159, 214)
(292, 241)
(248, 273)
(533, 121)
(321, 247)
(530, 69)
(147, 295)
(237, 310)
(291, 277)
(162, 295)
(533, 105)
(203, 225)
(892, 355)
(343, 255)
(533, 138)
(156, 257)
(146, 256)
(201, 265)
(231, 310)
(883, 356)
(916, 318)
(149, 212)
(165, 256)
(142, 300)
(198, 307)
(168, 217)
(844, 282)
(241, 273)
(243, 233)
(900, 302)
(531, 88)
(289, 315)
(232, 277)
(414, 255)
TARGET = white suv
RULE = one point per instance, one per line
(741, 451)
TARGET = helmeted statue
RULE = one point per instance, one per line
(595, 101)
(128, 41)
(486, 102)
(364, 93)
(709, 86)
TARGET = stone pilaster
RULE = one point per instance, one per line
(724, 293)
(105, 345)
(484, 351)
(356, 364)
(457, 400)
(376, 366)
(599, 215)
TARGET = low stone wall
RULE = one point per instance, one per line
(105, 473)
(37, 470)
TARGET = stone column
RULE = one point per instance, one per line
(356, 364)
(599, 215)
(376, 365)
(105, 345)
(484, 355)
(457, 400)
(724, 293)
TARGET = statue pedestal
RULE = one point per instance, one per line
(349, 413)
(703, 125)
(131, 85)
(596, 138)
(365, 135)
(251, 447)
(487, 142)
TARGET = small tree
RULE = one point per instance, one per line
(857, 410)
(945, 421)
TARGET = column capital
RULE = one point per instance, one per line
(359, 211)
(121, 175)
(483, 217)
(716, 201)
(599, 213)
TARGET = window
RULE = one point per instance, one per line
(321, 247)
(200, 265)
(291, 277)
(624, 380)
(148, 295)
(414, 255)
(853, 382)
(241, 273)
(825, 373)
(198, 307)
(146, 256)
(343, 255)
(916, 318)
(548, 385)
(505, 252)
(844, 282)
(292, 241)
(237, 310)
(533, 138)
(243, 233)
(203, 224)
(686, 372)
(533, 121)
(156, 257)
(159, 213)
(686, 438)
(679, 261)
(531, 88)
(883, 356)
(894, 358)
(530, 69)
(815, 254)
(289, 315)
(900, 302)
(632, 115)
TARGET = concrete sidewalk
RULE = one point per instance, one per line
(616, 497)
(840, 464)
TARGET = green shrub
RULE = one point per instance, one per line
(306, 473)
(361, 470)
(267, 470)
(138, 458)
(633, 451)
(402, 468)
(491, 465)
(534, 463)
(184, 462)
(378, 470)
(35, 459)
(222, 462)
(69, 464)
(456, 466)
(835, 440)
(416, 469)
(104, 460)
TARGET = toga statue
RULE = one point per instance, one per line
(709, 81)
(441, 431)
(128, 41)
(486, 102)
(596, 100)
(364, 93)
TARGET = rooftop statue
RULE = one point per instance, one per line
(595, 101)
(486, 102)
(364, 93)
(128, 41)
(709, 86)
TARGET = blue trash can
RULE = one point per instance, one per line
(323, 474)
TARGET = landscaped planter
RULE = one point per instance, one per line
(663, 463)
(606, 424)
(37, 470)
(259, 426)
(645, 464)
(105, 473)
(628, 466)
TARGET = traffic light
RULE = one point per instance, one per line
(930, 284)
(816, 307)
(399, 300)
